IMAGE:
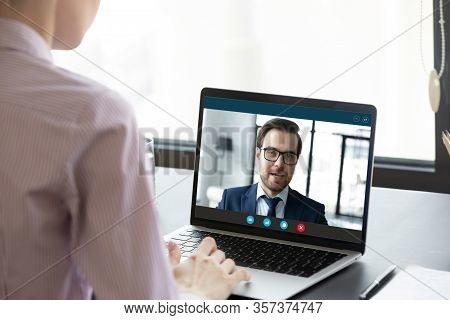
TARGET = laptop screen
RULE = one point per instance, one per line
(284, 165)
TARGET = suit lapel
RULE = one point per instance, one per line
(248, 200)
(294, 207)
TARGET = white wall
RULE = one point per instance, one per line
(236, 165)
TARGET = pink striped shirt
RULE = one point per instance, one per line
(75, 214)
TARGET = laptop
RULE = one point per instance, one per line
(282, 183)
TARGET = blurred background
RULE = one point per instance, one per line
(165, 51)
(159, 54)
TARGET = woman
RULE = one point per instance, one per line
(76, 217)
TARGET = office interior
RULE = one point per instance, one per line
(372, 52)
(367, 52)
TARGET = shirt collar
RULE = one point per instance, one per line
(282, 195)
(15, 35)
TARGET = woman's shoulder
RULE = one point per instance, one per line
(89, 97)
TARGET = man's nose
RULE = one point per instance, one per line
(279, 162)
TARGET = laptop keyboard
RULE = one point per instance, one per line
(262, 255)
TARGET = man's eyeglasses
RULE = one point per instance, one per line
(272, 155)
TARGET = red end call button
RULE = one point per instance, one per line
(301, 227)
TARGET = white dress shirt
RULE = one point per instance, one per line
(262, 208)
(75, 214)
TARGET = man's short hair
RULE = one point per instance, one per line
(280, 124)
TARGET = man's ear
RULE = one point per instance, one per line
(257, 155)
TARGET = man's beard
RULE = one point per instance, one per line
(272, 186)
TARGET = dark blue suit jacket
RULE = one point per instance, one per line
(298, 207)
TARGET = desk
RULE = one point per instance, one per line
(405, 227)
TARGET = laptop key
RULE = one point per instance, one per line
(179, 242)
(180, 237)
(242, 263)
(189, 244)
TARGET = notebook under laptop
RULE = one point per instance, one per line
(290, 208)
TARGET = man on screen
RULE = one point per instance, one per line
(278, 147)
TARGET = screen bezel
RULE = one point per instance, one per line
(294, 101)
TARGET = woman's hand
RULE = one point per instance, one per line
(206, 273)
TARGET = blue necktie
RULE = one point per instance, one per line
(272, 203)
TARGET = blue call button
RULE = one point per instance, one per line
(267, 222)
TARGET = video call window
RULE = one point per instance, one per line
(286, 168)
